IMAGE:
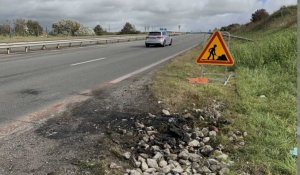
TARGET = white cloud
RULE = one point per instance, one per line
(190, 14)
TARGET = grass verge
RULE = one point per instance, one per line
(261, 100)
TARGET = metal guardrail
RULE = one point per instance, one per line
(59, 43)
(81, 42)
(232, 36)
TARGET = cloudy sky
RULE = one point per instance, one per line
(191, 15)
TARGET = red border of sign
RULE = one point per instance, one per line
(230, 61)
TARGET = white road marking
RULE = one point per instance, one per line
(148, 67)
(75, 64)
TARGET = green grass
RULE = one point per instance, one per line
(267, 67)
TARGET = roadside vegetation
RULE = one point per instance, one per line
(30, 30)
(260, 100)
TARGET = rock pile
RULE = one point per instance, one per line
(169, 144)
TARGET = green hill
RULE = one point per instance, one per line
(285, 17)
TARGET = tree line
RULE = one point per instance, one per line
(65, 27)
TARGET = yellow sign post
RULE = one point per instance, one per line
(216, 52)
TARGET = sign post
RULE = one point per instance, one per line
(215, 52)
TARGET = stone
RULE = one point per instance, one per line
(150, 133)
(167, 146)
(213, 162)
(166, 112)
(172, 156)
(167, 151)
(137, 164)
(205, 131)
(212, 134)
(207, 149)
(151, 115)
(150, 170)
(152, 163)
(206, 139)
(139, 125)
(184, 162)
(145, 156)
(177, 169)
(242, 143)
(158, 155)
(150, 128)
(222, 157)
(188, 116)
(163, 163)
(144, 166)
(245, 134)
(194, 157)
(224, 171)
(214, 168)
(194, 143)
(141, 159)
(127, 155)
(155, 148)
(135, 172)
(114, 166)
(184, 154)
(146, 138)
(262, 96)
(204, 169)
(166, 169)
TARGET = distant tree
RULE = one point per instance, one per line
(84, 31)
(99, 30)
(66, 27)
(259, 14)
(34, 28)
(21, 27)
(129, 29)
(5, 28)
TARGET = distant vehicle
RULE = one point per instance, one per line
(160, 38)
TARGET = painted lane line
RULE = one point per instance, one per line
(75, 64)
(149, 66)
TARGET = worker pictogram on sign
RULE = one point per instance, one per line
(216, 52)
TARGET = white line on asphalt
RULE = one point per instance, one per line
(148, 67)
(75, 64)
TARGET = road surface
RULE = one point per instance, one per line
(31, 81)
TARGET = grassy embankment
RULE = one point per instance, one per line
(260, 100)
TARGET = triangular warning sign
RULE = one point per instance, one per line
(216, 52)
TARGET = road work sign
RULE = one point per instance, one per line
(216, 52)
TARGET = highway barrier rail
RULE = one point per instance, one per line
(7, 47)
(59, 43)
(231, 36)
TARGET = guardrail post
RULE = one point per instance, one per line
(26, 49)
(8, 50)
(58, 46)
(44, 47)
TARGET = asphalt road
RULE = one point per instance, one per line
(31, 81)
